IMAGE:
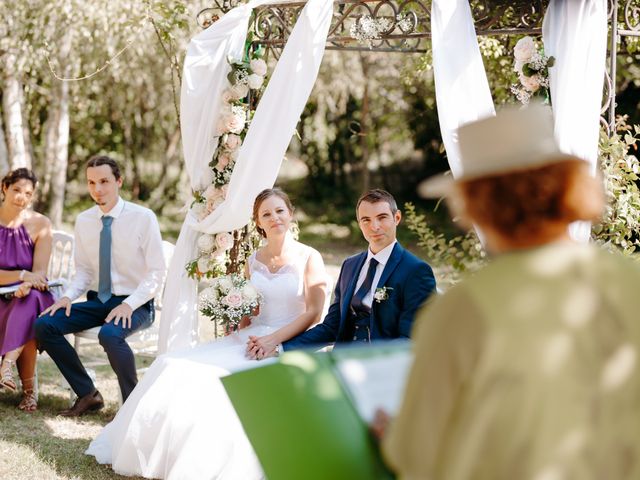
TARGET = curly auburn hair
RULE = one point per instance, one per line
(522, 204)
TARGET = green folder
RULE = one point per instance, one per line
(302, 423)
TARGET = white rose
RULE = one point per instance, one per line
(224, 241)
(199, 210)
(258, 66)
(233, 298)
(208, 295)
(517, 66)
(524, 49)
(239, 91)
(231, 123)
(225, 284)
(206, 243)
(249, 292)
(531, 84)
(203, 264)
(255, 81)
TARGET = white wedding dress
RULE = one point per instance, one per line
(178, 423)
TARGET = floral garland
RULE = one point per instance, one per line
(367, 28)
(532, 67)
(247, 76)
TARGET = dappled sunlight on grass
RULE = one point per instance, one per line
(73, 428)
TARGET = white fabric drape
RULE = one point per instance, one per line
(575, 33)
(462, 89)
(259, 159)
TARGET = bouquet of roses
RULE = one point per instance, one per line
(228, 299)
(532, 67)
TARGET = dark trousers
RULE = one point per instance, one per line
(51, 329)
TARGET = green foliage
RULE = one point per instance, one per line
(621, 224)
(454, 256)
(619, 230)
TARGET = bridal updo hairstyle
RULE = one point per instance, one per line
(19, 174)
(522, 204)
(262, 196)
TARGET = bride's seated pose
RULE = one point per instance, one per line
(178, 422)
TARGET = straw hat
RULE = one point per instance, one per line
(514, 139)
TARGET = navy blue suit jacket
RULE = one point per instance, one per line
(409, 281)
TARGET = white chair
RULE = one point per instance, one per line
(61, 261)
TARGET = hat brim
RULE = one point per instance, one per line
(443, 185)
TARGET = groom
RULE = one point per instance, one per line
(379, 290)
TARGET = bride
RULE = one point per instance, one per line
(178, 422)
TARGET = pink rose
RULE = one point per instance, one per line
(524, 49)
(258, 66)
(233, 299)
(227, 96)
(224, 241)
(214, 203)
(239, 91)
(233, 141)
(232, 123)
(531, 84)
(223, 161)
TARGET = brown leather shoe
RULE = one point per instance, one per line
(88, 403)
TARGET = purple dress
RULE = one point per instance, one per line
(18, 315)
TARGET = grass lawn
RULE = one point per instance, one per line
(43, 446)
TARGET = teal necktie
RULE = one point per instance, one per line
(104, 275)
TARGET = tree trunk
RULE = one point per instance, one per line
(12, 105)
(4, 154)
(59, 150)
(60, 156)
(364, 125)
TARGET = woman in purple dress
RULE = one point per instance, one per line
(25, 247)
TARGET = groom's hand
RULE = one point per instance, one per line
(64, 302)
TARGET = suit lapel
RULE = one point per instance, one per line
(346, 300)
(392, 263)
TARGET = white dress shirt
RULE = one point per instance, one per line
(137, 262)
(382, 257)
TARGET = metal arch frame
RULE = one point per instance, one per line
(273, 22)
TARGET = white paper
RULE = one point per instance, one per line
(377, 382)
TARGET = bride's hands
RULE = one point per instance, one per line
(261, 347)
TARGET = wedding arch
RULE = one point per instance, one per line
(296, 34)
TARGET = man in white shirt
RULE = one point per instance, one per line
(119, 263)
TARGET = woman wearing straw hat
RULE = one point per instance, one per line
(529, 369)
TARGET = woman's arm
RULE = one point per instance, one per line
(39, 228)
(246, 321)
(43, 240)
(315, 284)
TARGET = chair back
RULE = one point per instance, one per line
(61, 260)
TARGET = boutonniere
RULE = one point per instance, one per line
(381, 294)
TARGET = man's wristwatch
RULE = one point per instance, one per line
(276, 352)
